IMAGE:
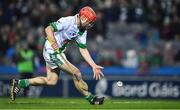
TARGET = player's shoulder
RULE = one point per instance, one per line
(68, 20)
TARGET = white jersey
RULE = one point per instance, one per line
(65, 30)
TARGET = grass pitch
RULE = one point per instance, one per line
(80, 103)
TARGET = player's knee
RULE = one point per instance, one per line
(51, 82)
(77, 73)
(77, 76)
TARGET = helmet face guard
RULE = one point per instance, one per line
(85, 23)
(87, 17)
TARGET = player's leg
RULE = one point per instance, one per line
(78, 81)
(76, 75)
(51, 79)
(26, 76)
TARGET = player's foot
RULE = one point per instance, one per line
(97, 100)
(14, 89)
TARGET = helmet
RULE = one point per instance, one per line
(88, 14)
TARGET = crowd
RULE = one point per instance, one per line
(22, 24)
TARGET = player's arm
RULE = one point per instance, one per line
(50, 36)
(96, 68)
(54, 27)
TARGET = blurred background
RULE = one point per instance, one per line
(137, 41)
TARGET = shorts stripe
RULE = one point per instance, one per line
(55, 59)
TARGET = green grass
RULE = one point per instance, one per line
(77, 103)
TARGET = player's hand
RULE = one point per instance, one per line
(58, 50)
(97, 70)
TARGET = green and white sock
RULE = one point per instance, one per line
(89, 97)
(23, 83)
